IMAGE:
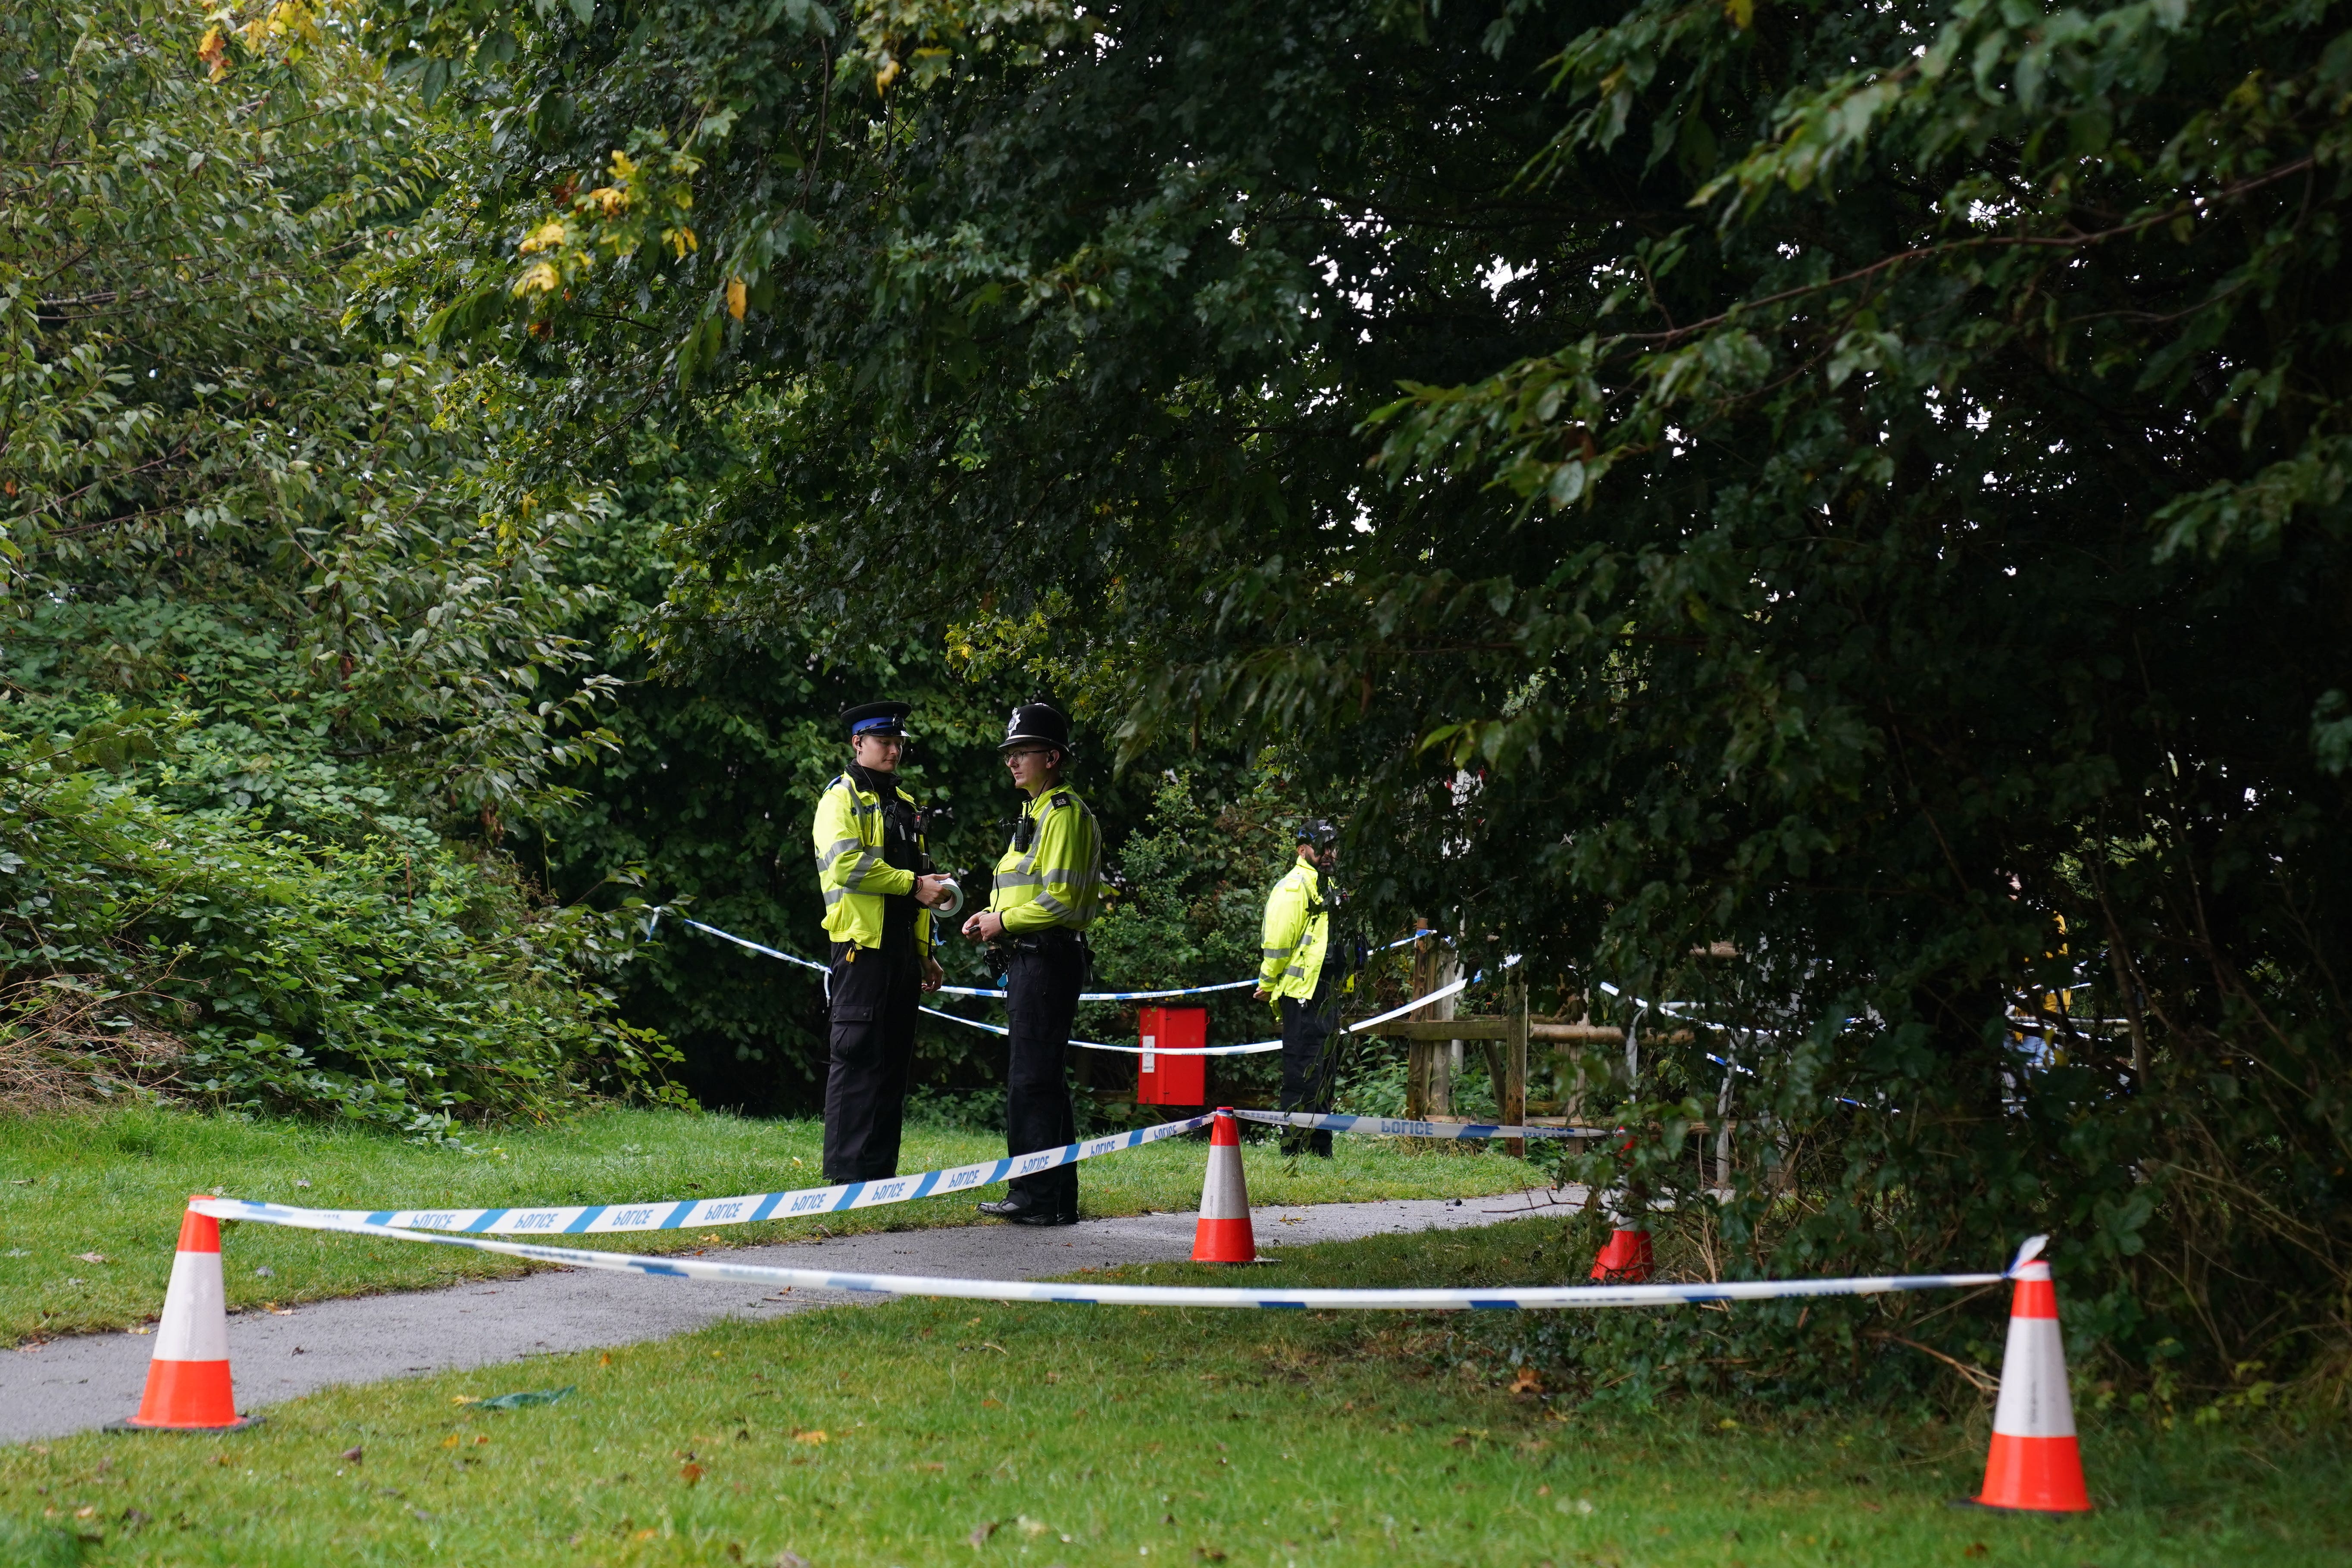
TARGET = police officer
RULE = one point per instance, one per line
(1047, 883)
(1299, 966)
(873, 865)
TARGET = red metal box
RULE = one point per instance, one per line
(1173, 1080)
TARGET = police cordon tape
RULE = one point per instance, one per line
(653, 922)
(2034, 1464)
(679, 1214)
(1398, 1127)
(751, 1208)
(1247, 1049)
(1540, 1297)
(1437, 996)
(1241, 1050)
(1182, 991)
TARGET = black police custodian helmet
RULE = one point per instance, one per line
(1034, 723)
(878, 718)
(1318, 833)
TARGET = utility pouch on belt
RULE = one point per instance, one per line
(1053, 940)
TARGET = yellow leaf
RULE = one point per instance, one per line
(296, 18)
(886, 75)
(1742, 13)
(538, 278)
(735, 297)
(212, 49)
(810, 1437)
(611, 201)
(681, 240)
(546, 236)
(624, 168)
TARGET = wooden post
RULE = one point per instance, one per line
(1515, 1070)
(1419, 1054)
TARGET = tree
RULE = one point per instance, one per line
(1869, 487)
(219, 493)
(266, 565)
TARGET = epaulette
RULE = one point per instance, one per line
(1062, 799)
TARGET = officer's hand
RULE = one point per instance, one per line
(1262, 994)
(985, 926)
(930, 891)
(933, 977)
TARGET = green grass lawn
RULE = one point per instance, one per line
(928, 1432)
(113, 1184)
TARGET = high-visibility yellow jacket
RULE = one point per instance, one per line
(850, 867)
(1057, 880)
(1297, 932)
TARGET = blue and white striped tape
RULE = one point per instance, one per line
(1109, 995)
(681, 1214)
(1398, 1127)
(761, 947)
(1248, 1048)
(1241, 1050)
(1439, 994)
(1538, 1298)
(745, 942)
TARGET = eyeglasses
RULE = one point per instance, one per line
(1029, 752)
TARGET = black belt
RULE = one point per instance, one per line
(1054, 938)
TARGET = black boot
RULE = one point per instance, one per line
(1020, 1208)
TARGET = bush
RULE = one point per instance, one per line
(395, 981)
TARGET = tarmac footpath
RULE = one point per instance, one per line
(76, 1384)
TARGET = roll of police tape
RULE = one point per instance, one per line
(1398, 1127)
(678, 1214)
(1538, 1298)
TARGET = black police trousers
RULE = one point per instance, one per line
(1041, 1004)
(1310, 1067)
(873, 1003)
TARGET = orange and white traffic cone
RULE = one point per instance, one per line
(187, 1383)
(1626, 1259)
(1224, 1234)
(2036, 1465)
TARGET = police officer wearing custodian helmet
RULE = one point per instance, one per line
(878, 884)
(1047, 884)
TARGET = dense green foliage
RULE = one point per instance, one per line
(1870, 488)
(278, 626)
(402, 986)
(709, 796)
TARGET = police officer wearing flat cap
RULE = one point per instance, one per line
(878, 884)
(1047, 883)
